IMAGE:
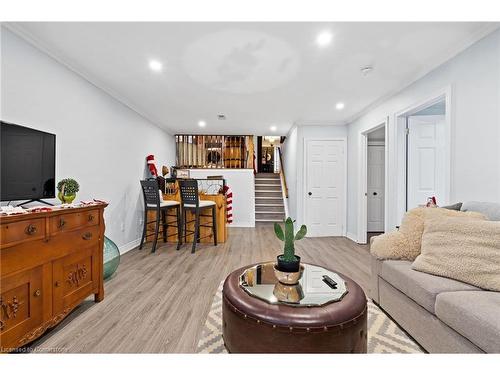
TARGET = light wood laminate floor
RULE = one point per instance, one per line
(158, 303)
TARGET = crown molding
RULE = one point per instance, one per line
(44, 48)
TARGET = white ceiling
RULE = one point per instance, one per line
(257, 74)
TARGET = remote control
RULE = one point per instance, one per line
(329, 281)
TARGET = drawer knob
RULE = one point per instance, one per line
(37, 293)
(87, 236)
(30, 229)
(58, 283)
(62, 223)
(91, 217)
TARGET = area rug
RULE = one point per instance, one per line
(384, 336)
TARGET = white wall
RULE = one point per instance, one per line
(293, 154)
(242, 184)
(474, 77)
(99, 141)
(289, 153)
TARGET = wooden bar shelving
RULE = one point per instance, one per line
(214, 151)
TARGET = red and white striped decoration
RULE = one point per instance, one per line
(229, 201)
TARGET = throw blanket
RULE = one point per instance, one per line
(406, 243)
(229, 201)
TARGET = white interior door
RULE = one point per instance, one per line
(325, 181)
(375, 185)
(426, 160)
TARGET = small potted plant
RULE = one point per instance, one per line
(287, 268)
(67, 188)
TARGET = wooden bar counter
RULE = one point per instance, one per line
(205, 232)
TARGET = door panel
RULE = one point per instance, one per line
(21, 304)
(324, 187)
(426, 168)
(75, 277)
(375, 185)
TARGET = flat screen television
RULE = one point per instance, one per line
(28, 163)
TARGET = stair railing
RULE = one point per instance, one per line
(282, 173)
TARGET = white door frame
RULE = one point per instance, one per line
(363, 180)
(400, 137)
(304, 183)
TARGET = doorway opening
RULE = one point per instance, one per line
(372, 218)
(424, 147)
(375, 183)
(267, 154)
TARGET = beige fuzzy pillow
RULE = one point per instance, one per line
(406, 243)
(464, 250)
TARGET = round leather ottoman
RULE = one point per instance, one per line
(251, 325)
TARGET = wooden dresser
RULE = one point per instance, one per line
(49, 263)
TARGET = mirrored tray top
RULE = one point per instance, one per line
(259, 281)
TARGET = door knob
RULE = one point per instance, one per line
(310, 193)
(374, 193)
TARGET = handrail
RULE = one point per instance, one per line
(282, 172)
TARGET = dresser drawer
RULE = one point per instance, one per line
(22, 231)
(70, 221)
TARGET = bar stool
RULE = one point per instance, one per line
(190, 201)
(152, 202)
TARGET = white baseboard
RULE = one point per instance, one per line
(352, 237)
(242, 225)
(129, 246)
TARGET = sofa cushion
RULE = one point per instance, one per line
(464, 250)
(473, 314)
(420, 287)
(490, 209)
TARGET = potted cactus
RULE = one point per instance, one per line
(288, 261)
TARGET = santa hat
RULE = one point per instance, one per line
(150, 159)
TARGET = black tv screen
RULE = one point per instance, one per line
(28, 163)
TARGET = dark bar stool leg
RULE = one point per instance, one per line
(164, 220)
(199, 232)
(184, 215)
(214, 225)
(144, 229)
(157, 230)
(179, 226)
(196, 230)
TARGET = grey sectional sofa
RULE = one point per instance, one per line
(442, 315)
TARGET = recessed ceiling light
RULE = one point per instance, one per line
(155, 65)
(273, 128)
(340, 105)
(202, 124)
(324, 38)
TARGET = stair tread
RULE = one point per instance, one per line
(271, 212)
(270, 204)
(267, 220)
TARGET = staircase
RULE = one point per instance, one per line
(269, 205)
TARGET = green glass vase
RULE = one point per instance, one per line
(111, 258)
